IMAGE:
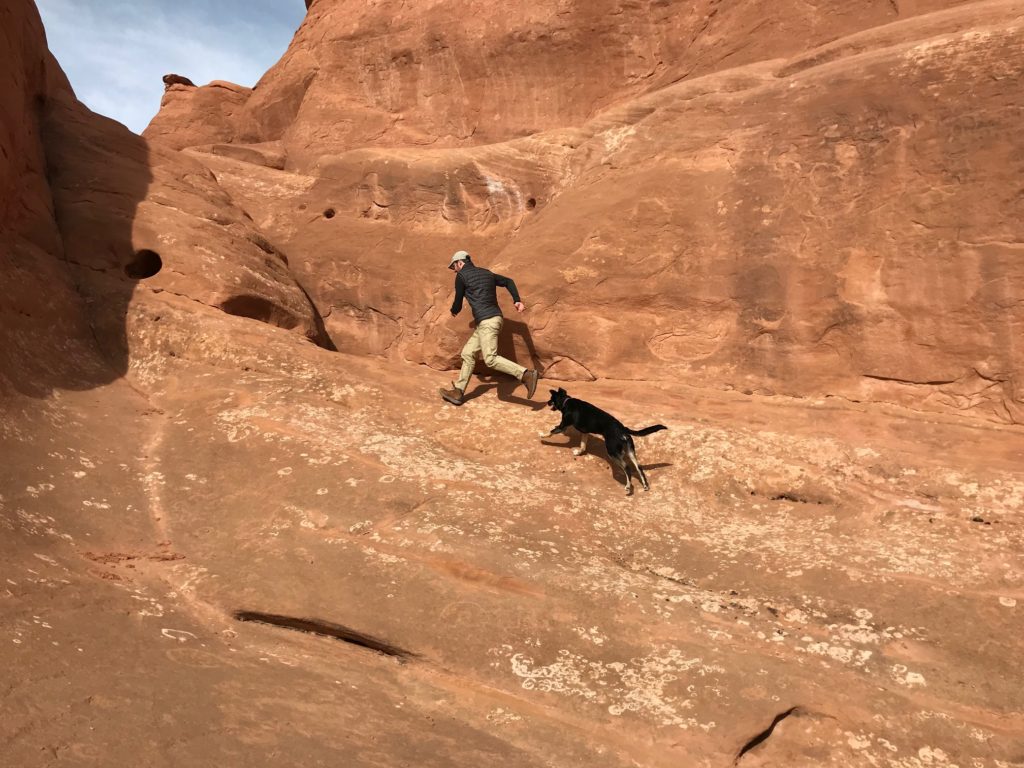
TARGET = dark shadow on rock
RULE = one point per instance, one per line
(517, 329)
(322, 337)
(477, 391)
(512, 391)
(508, 390)
(660, 465)
(99, 172)
(69, 265)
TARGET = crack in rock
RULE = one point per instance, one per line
(763, 735)
(327, 629)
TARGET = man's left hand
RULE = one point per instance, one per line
(520, 307)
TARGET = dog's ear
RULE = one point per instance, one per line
(553, 392)
(562, 391)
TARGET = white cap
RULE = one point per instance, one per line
(459, 256)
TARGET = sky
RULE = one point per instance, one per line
(115, 52)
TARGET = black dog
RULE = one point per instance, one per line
(589, 419)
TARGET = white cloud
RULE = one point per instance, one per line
(116, 52)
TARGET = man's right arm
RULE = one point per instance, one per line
(460, 291)
(510, 284)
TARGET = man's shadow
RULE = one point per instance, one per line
(509, 390)
(596, 447)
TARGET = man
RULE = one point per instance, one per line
(479, 286)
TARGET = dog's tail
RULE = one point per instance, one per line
(646, 430)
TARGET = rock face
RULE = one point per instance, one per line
(236, 521)
(40, 311)
(445, 74)
(765, 197)
(88, 200)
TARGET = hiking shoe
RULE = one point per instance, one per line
(453, 395)
(530, 380)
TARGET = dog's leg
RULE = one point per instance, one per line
(625, 470)
(583, 445)
(621, 461)
(616, 448)
(631, 453)
(563, 425)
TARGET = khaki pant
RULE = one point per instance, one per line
(485, 340)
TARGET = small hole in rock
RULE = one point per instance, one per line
(531, 203)
(145, 263)
(329, 213)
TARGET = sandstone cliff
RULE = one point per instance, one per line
(223, 542)
(770, 197)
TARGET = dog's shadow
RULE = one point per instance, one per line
(596, 448)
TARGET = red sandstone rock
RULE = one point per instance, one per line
(173, 79)
(41, 314)
(809, 581)
(766, 228)
(192, 115)
(390, 74)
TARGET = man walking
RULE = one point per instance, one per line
(479, 286)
